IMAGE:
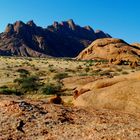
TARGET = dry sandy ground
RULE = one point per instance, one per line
(39, 120)
(46, 68)
(26, 119)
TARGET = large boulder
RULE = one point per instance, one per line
(114, 50)
(119, 93)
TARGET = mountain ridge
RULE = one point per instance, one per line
(65, 39)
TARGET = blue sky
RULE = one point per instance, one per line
(119, 18)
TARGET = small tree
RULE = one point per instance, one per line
(31, 83)
(51, 89)
(23, 72)
(8, 91)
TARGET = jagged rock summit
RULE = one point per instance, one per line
(65, 39)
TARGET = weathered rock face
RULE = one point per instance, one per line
(101, 34)
(136, 45)
(64, 39)
(9, 29)
(119, 93)
(136, 48)
(114, 50)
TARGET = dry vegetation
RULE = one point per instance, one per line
(28, 85)
(42, 77)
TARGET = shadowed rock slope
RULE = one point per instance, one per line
(115, 50)
(64, 39)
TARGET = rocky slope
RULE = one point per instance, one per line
(136, 45)
(118, 93)
(64, 39)
(115, 50)
(27, 119)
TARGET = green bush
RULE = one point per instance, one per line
(87, 69)
(83, 74)
(119, 69)
(31, 83)
(52, 69)
(90, 62)
(5, 90)
(51, 89)
(23, 72)
(3, 87)
(125, 72)
(60, 76)
(79, 67)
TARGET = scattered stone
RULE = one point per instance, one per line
(25, 106)
(20, 126)
(63, 122)
(56, 100)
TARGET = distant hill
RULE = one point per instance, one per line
(114, 50)
(65, 39)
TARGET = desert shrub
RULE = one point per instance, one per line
(102, 61)
(26, 63)
(119, 69)
(96, 72)
(29, 59)
(52, 69)
(83, 74)
(116, 74)
(90, 62)
(69, 70)
(87, 69)
(7, 91)
(30, 83)
(50, 65)
(79, 67)
(45, 62)
(3, 87)
(125, 72)
(51, 89)
(42, 73)
(105, 73)
(60, 76)
(23, 72)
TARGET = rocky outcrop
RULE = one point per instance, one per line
(101, 34)
(136, 45)
(9, 29)
(65, 39)
(114, 50)
(118, 93)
